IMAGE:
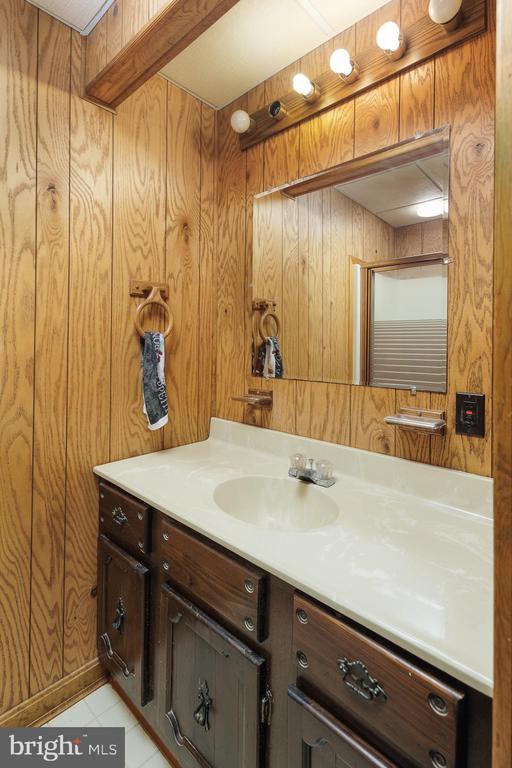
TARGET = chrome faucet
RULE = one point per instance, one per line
(318, 472)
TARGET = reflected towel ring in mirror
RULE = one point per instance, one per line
(155, 297)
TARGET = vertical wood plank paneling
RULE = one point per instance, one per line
(377, 118)
(465, 100)
(502, 396)
(18, 40)
(114, 18)
(411, 445)
(207, 285)
(47, 573)
(231, 212)
(368, 408)
(89, 359)
(327, 139)
(417, 100)
(139, 252)
(135, 15)
(183, 263)
(281, 150)
(323, 411)
(97, 46)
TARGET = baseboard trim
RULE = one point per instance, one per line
(47, 704)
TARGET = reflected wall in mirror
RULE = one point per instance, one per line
(356, 262)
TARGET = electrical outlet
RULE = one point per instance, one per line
(470, 415)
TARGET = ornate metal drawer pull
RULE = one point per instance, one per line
(358, 679)
(115, 657)
(119, 516)
(120, 613)
(202, 711)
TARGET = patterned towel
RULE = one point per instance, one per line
(270, 361)
(153, 380)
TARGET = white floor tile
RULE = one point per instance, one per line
(118, 716)
(157, 761)
(77, 715)
(139, 747)
(102, 699)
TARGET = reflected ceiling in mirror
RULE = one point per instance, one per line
(356, 270)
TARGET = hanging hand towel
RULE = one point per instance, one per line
(153, 380)
(270, 362)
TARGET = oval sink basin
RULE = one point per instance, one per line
(279, 504)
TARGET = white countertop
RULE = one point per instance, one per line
(409, 556)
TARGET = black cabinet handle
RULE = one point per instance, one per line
(202, 711)
(120, 613)
(356, 676)
(119, 516)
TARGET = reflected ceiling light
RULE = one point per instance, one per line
(341, 63)
(307, 89)
(391, 40)
(432, 208)
(241, 121)
(447, 13)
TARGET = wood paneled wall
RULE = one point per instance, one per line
(87, 201)
(456, 88)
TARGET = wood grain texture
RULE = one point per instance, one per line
(465, 99)
(149, 44)
(18, 39)
(323, 411)
(89, 359)
(50, 401)
(183, 263)
(96, 48)
(502, 398)
(377, 118)
(114, 43)
(417, 100)
(230, 268)
(368, 408)
(139, 219)
(207, 283)
(47, 704)
(281, 151)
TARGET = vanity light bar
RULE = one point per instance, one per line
(448, 23)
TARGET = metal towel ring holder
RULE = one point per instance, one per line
(155, 297)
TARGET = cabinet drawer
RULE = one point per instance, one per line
(316, 738)
(123, 619)
(232, 589)
(125, 520)
(407, 708)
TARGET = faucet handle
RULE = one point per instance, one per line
(298, 461)
(324, 469)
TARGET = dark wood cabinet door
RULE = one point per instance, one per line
(316, 739)
(214, 689)
(123, 619)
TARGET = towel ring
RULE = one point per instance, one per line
(155, 297)
(263, 319)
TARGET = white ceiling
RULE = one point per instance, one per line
(82, 15)
(251, 42)
(256, 39)
(394, 195)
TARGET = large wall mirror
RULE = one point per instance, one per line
(354, 265)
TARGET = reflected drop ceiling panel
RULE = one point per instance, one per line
(256, 39)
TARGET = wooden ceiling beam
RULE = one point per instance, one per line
(166, 35)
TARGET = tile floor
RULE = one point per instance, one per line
(104, 708)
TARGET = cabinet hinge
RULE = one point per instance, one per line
(267, 705)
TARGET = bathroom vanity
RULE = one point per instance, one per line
(253, 620)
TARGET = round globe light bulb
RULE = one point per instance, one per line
(444, 11)
(240, 121)
(341, 63)
(388, 36)
(431, 208)
(303, 85)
